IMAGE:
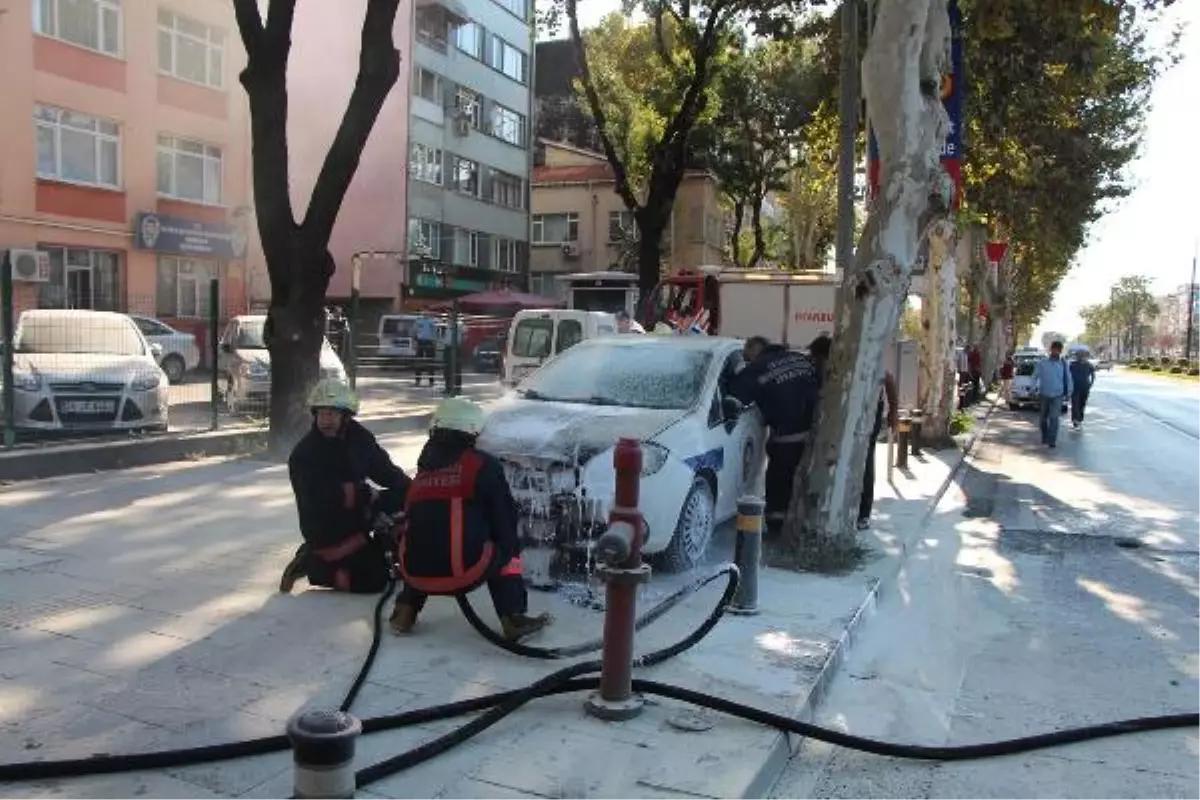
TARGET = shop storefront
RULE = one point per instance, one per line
(180, 257)
(432, 281)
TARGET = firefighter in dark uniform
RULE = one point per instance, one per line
(785, 385)
(329, 469)
(461, 526)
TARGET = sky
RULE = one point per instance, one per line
(1153, 232)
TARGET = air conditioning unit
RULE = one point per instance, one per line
(30, 266)
(462, 124)
(570, 250)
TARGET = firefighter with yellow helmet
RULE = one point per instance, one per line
(343, 480)
(460, 528)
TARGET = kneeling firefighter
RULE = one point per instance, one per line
(329, 469)
(460, 529)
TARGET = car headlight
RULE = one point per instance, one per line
(145, 382)
(27, 381)
(654, 458)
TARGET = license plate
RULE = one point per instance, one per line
(89, 406)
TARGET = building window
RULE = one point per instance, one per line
(77, 148)
(555, 228)
(508, 59)
(183, 287)
(468, 38)
(507, 190)
(512, 6)
(80, 279)
(466, 176)
(427, 85)
(504, 254)
(426, 163)
(620, 225)
(466, 248)
(433, 26)
(546, 284)
(508, 125)
(425, 238)
(468, 102)
(190, 51)
(189, 171)
(94, 24)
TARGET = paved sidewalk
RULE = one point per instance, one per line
(138, 611)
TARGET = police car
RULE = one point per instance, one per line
(556, 431)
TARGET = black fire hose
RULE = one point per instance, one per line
(570, 679)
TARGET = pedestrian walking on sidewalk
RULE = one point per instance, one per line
(1054, 389)
(1083, 375)
(866, 500)
(1007, 370)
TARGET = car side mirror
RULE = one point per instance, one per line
(156, 350)
(731, 411)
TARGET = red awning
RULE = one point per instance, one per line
(503, 300)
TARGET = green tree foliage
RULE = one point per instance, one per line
(810, 201)
(1058, 94)
(649, 86)
(770, 92)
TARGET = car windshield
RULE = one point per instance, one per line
(250, 335)
(614, 375)
(111, 336)
(1026, 366)
(399, 326)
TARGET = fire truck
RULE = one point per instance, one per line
(791, 308)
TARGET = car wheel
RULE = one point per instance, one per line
(1014, 406)
(174, 367)
(693, 531)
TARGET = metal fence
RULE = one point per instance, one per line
(193, 361)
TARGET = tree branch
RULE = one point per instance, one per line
(378, 71)
(280, 15)
(249, 23)
(660, 40)
(620, 173)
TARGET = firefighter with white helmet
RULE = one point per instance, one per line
(461, 526)
(332, 470)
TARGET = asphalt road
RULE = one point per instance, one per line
(1064, 594)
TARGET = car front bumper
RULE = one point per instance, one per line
(115, 409)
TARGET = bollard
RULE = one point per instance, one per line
(903, 430)
(917, 418)
(622, 570)
(747, 553)
(323, 752)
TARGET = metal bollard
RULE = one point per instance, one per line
(903, 430)
(918, 417)
(622, 570)
(747, 554)
(323, 752)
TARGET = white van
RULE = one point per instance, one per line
(538, 334)
(398, 338)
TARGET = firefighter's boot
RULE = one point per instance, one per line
(521, 626)
(404, 617)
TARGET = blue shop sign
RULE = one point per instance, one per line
(187, 237)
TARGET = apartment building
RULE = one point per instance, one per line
(125, 155)
(580, 224)
(469, 147)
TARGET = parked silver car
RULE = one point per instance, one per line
(180, 354)
(86, 371)
(244, 365)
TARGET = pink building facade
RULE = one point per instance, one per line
(321, 73)
(126, 155)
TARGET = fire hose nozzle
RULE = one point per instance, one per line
(615, 546)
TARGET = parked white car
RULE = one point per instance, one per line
(180, 354)
(1025, 389)
(244, 365)
(555, 436)
(86, 371)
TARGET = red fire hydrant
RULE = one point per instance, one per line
(619, 552)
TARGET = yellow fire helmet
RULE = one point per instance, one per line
(332, 393)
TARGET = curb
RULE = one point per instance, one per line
(787, 744)
(102, 456)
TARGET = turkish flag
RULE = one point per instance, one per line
(996, 251)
